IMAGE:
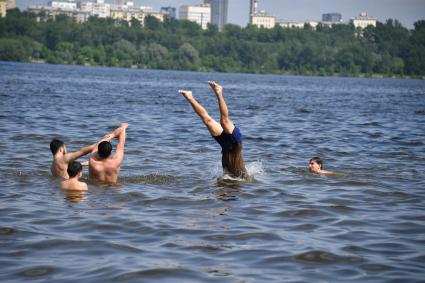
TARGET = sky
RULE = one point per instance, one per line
(406, 11)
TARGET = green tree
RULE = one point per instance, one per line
(13, 50)
(188, 57)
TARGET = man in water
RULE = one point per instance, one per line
(61, 157)
(75, 171)
(225, 132)
(316, 167)
(104, 167)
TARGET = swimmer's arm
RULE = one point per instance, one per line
(108, 137)
(75, 155)
(119, 156)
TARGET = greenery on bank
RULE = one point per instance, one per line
(389, 49)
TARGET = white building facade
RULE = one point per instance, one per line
(63, 5)
(10, 4)
(262, 20)
(200, 14)
(98, 8)
(298, 24)
(363, 21)
(3, 8)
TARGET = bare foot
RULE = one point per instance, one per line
(124, 126)
(186, 93)
(218, 89)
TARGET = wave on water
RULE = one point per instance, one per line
(152, 179)
(323, 257)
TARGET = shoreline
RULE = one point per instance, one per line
(335, 75)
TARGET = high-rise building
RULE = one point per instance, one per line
(11, 4)
(332, 17)
(253, 9)
(201, 14)
(169, 11)
(218, 12)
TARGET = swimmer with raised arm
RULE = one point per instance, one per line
(103, 166)
(225, 132)
(75, 172)
(61, 156)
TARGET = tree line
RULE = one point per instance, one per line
(389, 49)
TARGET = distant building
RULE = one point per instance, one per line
(128, 11)
(261, 19)
(298, 24)
(10, 4)
(363, 20)
(200, 14)
(3, 8)
(63, 5)
(98, 8)
(219, 12)
(332, 17)
(169, 12)
(125, 11)
(253, 9)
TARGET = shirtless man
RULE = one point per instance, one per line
(102, 166)
(75, 171)
(61, 157)
(225, 132)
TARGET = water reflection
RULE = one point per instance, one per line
(75, 196)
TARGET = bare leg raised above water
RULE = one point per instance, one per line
(225, 122)
(213, 126)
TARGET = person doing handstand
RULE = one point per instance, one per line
(225, 132)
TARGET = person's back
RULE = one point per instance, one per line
(59, 166)
(74, 171)
(104, 167)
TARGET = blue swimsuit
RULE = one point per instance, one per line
(228, 141)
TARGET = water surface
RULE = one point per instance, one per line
(174, 219)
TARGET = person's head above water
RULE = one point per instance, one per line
(315, 164)
(56, 145)
(74, 169)
(104, 149)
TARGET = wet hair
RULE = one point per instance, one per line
(104, 149)
(318, 160)
(55, 145)
(74, 168)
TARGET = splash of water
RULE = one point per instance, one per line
(255, 171)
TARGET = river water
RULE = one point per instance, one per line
(174, 218)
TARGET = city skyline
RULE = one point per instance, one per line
(407, 11)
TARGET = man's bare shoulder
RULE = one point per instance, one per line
(75, 186)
